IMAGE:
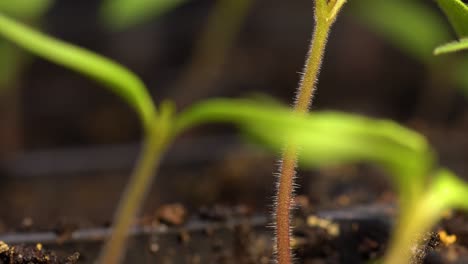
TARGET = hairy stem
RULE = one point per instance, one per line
(312, 67)
(135, 193)
(325, 15)
(284, 197)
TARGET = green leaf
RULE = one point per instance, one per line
(25, 9)
(118, 79)
(452, 47)
(324, 138)
(410, 25)
(121, 14)
(448, 191)
(457, 13)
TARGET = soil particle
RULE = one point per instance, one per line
(184, 237)
(172, 214)
(32, 255)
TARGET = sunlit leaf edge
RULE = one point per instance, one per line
(451, 47)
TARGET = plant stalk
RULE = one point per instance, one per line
(411, 230)
(133, 198)
(325, 15)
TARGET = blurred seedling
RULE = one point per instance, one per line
(29, 11)
(419, 30)
(210, 50)
(322, 139)
(12, 63)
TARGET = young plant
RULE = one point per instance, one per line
(123, 83)
(330, 138)
(324, 139)
(325, 15)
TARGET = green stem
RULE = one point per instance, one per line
(411, 230)
(313, 65)
(325, 15)
(136, 190)
(418, 215)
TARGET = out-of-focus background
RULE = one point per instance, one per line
(67, 145)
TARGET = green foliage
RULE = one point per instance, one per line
(325, 138)
(457, 13)
(408, 24)
(449, 191)
(121, 14)
(445, 191)
(117, 78)
(452, 47)
(25, 9)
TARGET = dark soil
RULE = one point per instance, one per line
(343, 215)
(32, 255)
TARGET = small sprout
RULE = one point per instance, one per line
(326, 138)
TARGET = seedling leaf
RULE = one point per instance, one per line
(457, 13)
(324, 138)
(114, 76)
(121, 14)
(449, 191)
(452, 47)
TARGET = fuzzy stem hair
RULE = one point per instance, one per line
(325, 15)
